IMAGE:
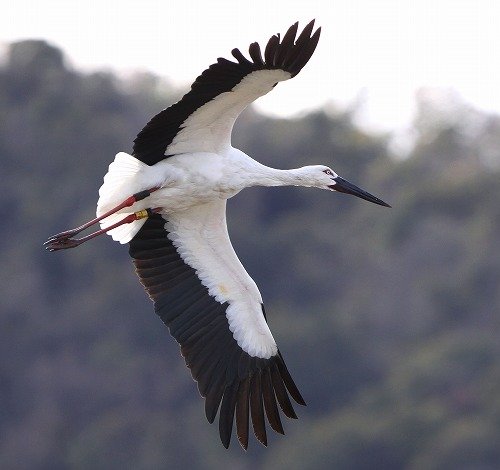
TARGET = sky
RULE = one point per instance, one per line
(374, 52)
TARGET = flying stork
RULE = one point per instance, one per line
(168, 202)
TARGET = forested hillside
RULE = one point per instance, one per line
(389, 319)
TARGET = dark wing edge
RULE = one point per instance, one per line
(241, 385)
(289, 55)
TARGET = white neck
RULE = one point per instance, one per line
(244, 172)
(262, 175)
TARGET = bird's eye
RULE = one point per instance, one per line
(328, 172)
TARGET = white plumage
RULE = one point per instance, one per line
(209, 128)
(201, 238)
(180, 174)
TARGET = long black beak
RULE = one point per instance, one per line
(344, 186)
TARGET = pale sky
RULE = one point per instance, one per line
(381, 50)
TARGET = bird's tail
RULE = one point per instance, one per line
(121, 180)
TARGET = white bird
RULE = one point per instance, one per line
(180, 174)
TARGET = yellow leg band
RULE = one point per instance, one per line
(141, 214)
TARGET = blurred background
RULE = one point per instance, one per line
(388, 319)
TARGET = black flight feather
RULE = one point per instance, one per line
(243, 412)
(257, 410)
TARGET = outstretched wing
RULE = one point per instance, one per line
(203, 119)
(214, 310)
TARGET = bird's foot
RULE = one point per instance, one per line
(58, 237)
(63, 240)
(61, 243)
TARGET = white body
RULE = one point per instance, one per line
(188, 180)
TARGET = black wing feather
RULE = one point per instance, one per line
(246, 386)
(271, 48)
(257, 410)
(287, 44)
(227, 413)
(270, 405)
(243, 412)
(306, 52)
(289, 383)
(151, 144)
(255, 53)
(281, 393)
(216, 388)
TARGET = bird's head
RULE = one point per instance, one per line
(323, 177)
